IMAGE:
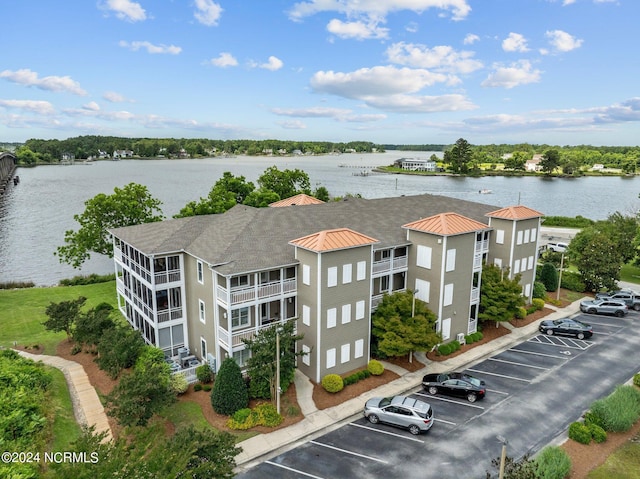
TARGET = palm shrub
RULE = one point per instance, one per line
(552, 463)
(229, 393)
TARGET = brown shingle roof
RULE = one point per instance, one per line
(515, 213)
(329, 240)
(446, 224)
(297, 200)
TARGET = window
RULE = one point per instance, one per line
(331, 358)
(306, 354)
(200, 272)
(500, 236)
(519, 237)
(240, 317)
(527, 289)
(359, 348)
(360, 310)
(530, 262)
(450, 264)
(534, 233)
(201, 311)
(424, 257)
(203, 347)
(306, 274)
(516, 266)
(362, 270)
(446, 329)
(526, 236)
(241, 357)
(498, 262)
(331, 318)
(448, 294)
(238, 281)
(423, 289)
(346, 313)
(345, 353)
(332, 276)
(346, 273)
(306, 315)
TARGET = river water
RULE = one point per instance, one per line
(35, 214)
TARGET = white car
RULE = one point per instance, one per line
(557, 247)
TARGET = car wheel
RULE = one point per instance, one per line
(580, 336)
(373, 419)
(619, 314)
(636, 307)
(433, 390)
(413, 429)
(549, 332)
(471, 397)
(591, 311)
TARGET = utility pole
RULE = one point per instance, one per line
(503, 455)
(278, 371)
(560, 275)
(413, 313)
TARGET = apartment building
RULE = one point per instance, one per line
(205, 283)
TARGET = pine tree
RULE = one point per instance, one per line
(230, 392)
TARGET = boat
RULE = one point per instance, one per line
(485, 191)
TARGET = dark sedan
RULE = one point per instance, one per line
(566, 326)
(455, 384)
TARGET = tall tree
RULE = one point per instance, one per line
(550, 161)
(127, 206)
(63, 315)
(459, 156)
(398, 332)
(597, 257)
(285, 183)
(229, 393)
(261, 366)
(500, 296)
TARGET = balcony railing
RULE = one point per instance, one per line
(477, 261)
(482, 246)
(475, 294)
(234, 339)
(389, 264)
(169, 315)
(375, 301)
(261, 291)
(163, 277)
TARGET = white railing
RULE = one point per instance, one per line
(472, 327)
(389, 264)
(188, 373)
(475, 294)
(375, 301)
(169, 315)
(235, 339)
(482, 246)
(163, 277)
(477, 261)
(262, 291)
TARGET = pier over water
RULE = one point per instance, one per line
(7, 170)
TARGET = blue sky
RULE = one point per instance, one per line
(561, 72)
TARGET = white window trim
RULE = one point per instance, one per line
(450, 264)
(423, 256)
(500, 236)
(361, 273)
(346, 273)
(345, 353)
(331, 358)
(332, 276)
(306, 315)
(360, 307)
(346, 313)
(200, 271)
(202, 311)
(306, 274)
(359, 349)
(447, 300)
(331, 318)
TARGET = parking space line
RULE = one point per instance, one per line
(297, 471)
(500, 375)
(517, 364)
(349, 452)
(446, 422)
(537, 354)
(549, 342)
(439, 398)
(385, 432)
(497, 392)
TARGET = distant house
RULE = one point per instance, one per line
(117, 154)
(282, 151)
(183, 153)
(268, 151)
(597, 167)
(534, 163)
(102, 154)
(416, 164)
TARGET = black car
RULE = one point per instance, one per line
(566, 326)
(455, 384)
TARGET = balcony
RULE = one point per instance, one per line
(163, 277)
(482, 246)
(475, 294)
(477, 262)
(388, 265)
(233, 340)
(246, 294)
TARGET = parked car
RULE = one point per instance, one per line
(630, 298)
(567, 326)
(604, 306)
(455, 384)
(400, 411)
(557, 247)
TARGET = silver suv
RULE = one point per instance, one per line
(401, 411)
(604, 306)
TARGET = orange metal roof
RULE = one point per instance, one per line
(515, 213)
(446, 224)
(298, 200)
(329, 240)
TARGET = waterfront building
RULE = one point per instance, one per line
(205, 283)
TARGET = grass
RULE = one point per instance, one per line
(630, 273)
(623, 463)
(23, 312)
(65, 429)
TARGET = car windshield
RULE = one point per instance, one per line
(474, 381)
(384, 402)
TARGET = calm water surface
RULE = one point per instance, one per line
(35, 214)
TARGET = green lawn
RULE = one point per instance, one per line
(624, 463)
(630, 273)
(23, 312)
(65, 428)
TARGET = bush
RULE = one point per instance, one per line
(230, 392)
(531, 310)
(579, 432)
(204, 373)
(572, 282)
(539, 290)
(468, 339)
(477, 336)
(90, 279)
(618, 411)
(598, 434)
(264, 414)
(552, 463)
(197, 387)
(178, 383)
(538, 303)
(636, 379)
(375, 367)
(549, 276)
(207, 387)
(521, 313)
(332, 383)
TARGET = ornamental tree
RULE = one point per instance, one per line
(63, 315)
(229, 393)
(500, 296)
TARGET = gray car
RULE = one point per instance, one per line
(604, 306)
(400, 411)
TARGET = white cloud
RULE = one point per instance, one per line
(562, 41)
(126, 10)
(27, 77)
(377, 9)
(515, 43)
(358, 30)
(150, 47)
(470, 39)
(440, 58)
(339, 114)
(91, 106)
(224, 60)
(114, 97)
(292, 125)
(33, 106)
(519, 73)
(421, 104)
(272, 64)
(207, 12)
(567, 2)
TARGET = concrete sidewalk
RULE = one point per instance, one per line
(260, 447)
(87, 407)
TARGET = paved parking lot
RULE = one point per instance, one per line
(534, 390)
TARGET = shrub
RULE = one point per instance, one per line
(598, 434)
(76, 349)
(636, 379)
(264, 414)
(552, 463)
(618, 411)
(90, 279)
(477, 336)
(592, 417)
(549, 276)
(178, 383)
(539, 291)
(572, 282)
(521, 313)
(468, 339)
(531, 310)
(375, 367)
(444, 349)
(230, 391)
(332, 383)
(204, 373)
(579, 432)
(207, 387)
(197, 387)
(538, 303)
